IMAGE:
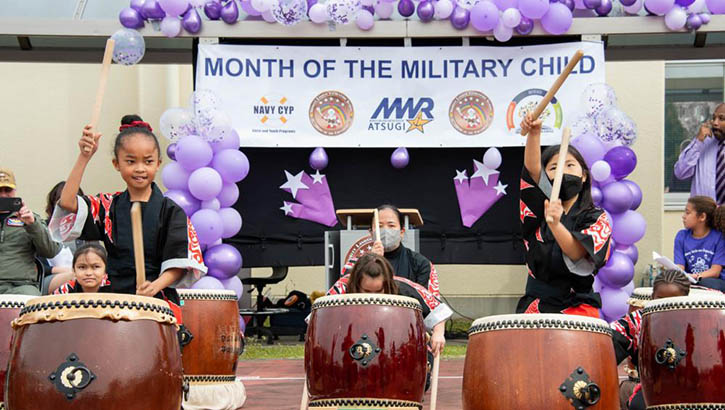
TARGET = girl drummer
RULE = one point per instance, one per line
(89, 269)
(563, 255)
(669, 283)
(372, 273)
(170, 246)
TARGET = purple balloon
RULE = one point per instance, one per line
(311, 3)
(636, 193)
(629, 227)
(171, 26)
(406, 8)
(693, 22)
(596, 196)
(232, 222)
(185, 200)
(459, 18)
(228, 140)
(525, 27)
(242, 325)
(318, 159)
(138, 6)
(208, 282)
(235, 284)
(659, 7)
(484, 16)
(212, 204)
(618, 271)
(171, 151)
(533, 9)
(230, 12)
(592, 4)
(192, 152)
(209, 226)
(597, 285)
(622, 160)
(704, 17)
(716, 6)
(617, 197)
(604, 8)
(191, 21)
(631, 252)
(591, 148)
(152, 10)
(205, 183)
(224, 258)
(174, 8)
(684, 3)
(229, 194)
(213, 9)
(627, 3)
(614, 303)
(130, 18)
(249, 9)
(557, 20)
(174, 176)
(426, 10)
(569, 4)
(232, 165)
(400, 158)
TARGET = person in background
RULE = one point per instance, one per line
(406, 263)
(699, 248)
(23, 237)
(704, 159)
(89, 271)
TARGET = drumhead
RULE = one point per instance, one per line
(700, 300)
(206, 294)
(14, 301)
(112, 306)
(350, 299)
(539, 321)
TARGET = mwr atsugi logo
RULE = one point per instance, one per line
(273, 110)
(525, 102)
(331, 113)
(471, 112)
(406, 115)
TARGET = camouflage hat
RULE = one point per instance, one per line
(7, 178)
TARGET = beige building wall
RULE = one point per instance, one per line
(46, 105)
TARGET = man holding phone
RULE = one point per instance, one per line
(23, 236)
(704, 159)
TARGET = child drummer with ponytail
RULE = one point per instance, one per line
(171, 249)
(563, 255)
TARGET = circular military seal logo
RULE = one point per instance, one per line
(359, 248)
(525, 102)
(471, 112)
(331, 113)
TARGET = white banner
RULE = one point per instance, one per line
(394, 96)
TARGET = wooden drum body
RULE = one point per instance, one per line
(95, 351)
(366, 350)
(10, 306)
(682, 353)
(212, 317)
(551, 361)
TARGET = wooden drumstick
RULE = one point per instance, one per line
(305, 397)
(563, 151)
(376, 223)
(101, 90)
(555, 87)
(137, 229)
(434, 382)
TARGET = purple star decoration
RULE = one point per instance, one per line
(314, 200)
(478, 193)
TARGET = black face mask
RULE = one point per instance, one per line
(571, 186)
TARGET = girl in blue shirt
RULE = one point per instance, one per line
(700, 248)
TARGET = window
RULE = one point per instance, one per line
(692, 91)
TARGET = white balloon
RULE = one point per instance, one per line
(502, 33)
(676, 18)
(443, 9)
(268, 16)
(177, 123)
(261, 5)
(697, 7)
(511, 17)
(384, 9)
(318, 13)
